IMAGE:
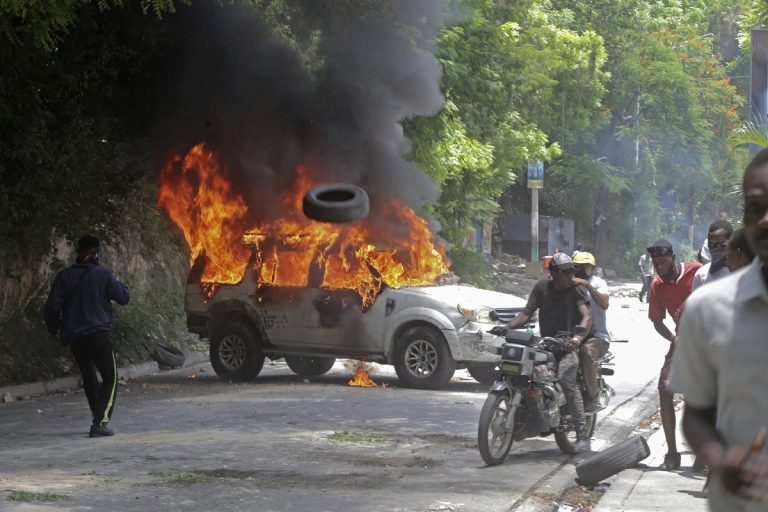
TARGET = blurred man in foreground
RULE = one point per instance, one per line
(720, 365)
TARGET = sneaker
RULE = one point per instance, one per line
(671, 462)
(100, 431)
(591, 404)
(583, 445)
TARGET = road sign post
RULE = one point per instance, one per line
(535, 182)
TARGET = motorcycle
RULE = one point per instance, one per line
(528, 401)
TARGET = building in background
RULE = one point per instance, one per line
(554, 233)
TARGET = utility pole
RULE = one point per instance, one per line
(534, 224)
(535, 182)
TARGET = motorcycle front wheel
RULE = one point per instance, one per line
(493, 439)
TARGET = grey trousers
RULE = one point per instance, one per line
(590, 350)
(567, 372)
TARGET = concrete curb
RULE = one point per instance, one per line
(34, 389)
(615, 427)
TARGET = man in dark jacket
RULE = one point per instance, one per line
(79, 310)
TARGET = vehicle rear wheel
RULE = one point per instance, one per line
(309, 366)
(235, 352)
(566, 441)
(422, 359)
(484, 373)
(493, 439)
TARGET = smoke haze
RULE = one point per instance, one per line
(251, 98)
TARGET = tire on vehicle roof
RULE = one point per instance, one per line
(168, 356)
(235, 352)
(422, 359)
(336, 202)
(309, 366)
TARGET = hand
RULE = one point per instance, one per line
(573, 344)
(744, 469)
(579, 281)
(499, 330)
(744, 473)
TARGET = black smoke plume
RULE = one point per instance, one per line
(266, 107)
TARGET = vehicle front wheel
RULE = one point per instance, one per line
(235, 352)
(422, 359)
(493, 438)
(309, 366)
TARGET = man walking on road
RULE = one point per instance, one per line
(669, 290)
(646, 272)
(721, 362)
(79, 310)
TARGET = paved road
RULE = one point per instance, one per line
(265, 445)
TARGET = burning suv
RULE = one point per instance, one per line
(286, 286)
(426, 332)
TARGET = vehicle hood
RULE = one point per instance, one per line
(468, 295)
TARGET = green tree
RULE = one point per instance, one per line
(511, 75)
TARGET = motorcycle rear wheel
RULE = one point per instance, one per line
(493, 440)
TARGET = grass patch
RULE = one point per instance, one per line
(357, 437)
(179, 476)
(36, 496)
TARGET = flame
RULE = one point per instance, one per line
(361, 378)
(393, 249)
(200, 201)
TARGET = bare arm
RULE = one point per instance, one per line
(520, 319)
(586, 318)
(662, 329)
(586, 324)
(699, 429)
(742, 469)
(600, 298)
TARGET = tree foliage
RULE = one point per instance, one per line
(629, 103)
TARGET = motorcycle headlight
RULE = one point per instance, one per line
(475, 313)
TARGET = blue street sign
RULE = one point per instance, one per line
(535, 174)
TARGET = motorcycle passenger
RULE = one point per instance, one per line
(597, 346)
(561, 305)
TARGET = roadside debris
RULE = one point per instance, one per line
(8, 398)
(445, 506)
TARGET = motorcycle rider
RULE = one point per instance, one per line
(562, 305)
(596, 346)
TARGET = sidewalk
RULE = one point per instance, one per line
(646, 489)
